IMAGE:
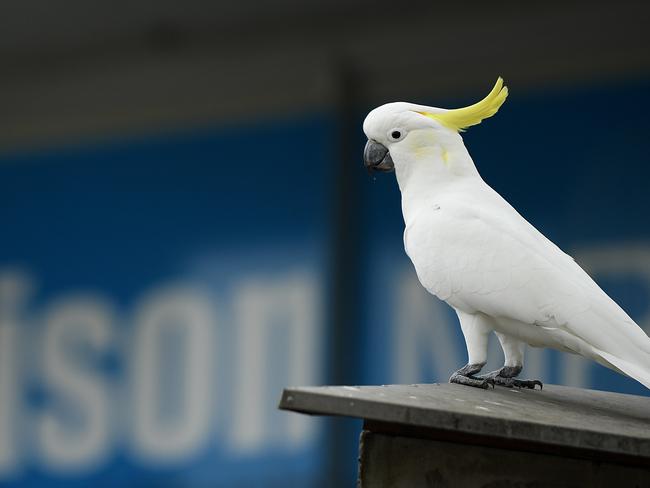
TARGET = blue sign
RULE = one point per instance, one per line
(155, 297)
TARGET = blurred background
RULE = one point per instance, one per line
(187, 227)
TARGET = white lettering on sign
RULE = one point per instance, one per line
(74, 430)
(423, 333)
(15, 289)
(188, 314)
(8, 396)
(163, 399)
(274, 338)
(287, 313)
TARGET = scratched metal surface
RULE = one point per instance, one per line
(557, 415)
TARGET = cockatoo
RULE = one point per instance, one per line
(473, 250)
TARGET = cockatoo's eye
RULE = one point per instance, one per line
(395, 135)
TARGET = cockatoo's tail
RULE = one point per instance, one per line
(471, 249)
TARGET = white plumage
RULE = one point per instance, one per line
(471, 249)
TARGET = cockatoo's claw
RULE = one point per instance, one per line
(529, 384)
(506, 377)
(513, 382)
(465, 376)
(470, 381)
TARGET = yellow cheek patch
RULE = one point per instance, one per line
(424, 152)
(423, 145)
(421, 142)
(445, 156)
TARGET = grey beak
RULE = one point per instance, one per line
(377, 158)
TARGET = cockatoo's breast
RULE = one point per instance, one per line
(431, 240)
(458, 255)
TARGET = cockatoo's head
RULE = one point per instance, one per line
(400, 126)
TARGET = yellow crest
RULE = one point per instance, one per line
(461, 118)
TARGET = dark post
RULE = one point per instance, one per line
(345, 260)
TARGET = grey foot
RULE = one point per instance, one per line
(506, 377)
(464, 376)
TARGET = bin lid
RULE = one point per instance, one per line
(555, 416)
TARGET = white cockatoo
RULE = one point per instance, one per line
(473, 250)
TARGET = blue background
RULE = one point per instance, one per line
(216, 206)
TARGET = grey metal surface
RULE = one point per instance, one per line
(395, 462)
(558, 415)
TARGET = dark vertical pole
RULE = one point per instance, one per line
(344, 315)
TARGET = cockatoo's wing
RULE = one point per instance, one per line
(483, 256)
